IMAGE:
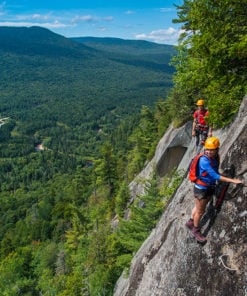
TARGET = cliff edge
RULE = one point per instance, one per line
(170, 262)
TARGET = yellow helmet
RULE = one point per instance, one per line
(200, 102)
(212, 143)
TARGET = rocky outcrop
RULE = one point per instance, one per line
(168, 155)
(170, 262)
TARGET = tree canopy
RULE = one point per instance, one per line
(212, 57)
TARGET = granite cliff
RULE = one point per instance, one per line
(170, 262)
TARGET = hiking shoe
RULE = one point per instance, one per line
(197, 234)
(189, 224)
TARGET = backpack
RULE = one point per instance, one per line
(194, 169)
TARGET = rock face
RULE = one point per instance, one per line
(170, 262)
(169, 152)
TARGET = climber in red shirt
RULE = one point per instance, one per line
(200, 128)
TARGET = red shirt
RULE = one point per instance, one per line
(199, 115)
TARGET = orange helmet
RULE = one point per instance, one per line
(200, 102)
(212, 143)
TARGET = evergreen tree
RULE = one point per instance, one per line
(106, 168)
(144, 214)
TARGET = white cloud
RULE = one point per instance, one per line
(53, 25)
(167, 9)
(102, 29)
(47, 20)
(108, 18)
(91, 19)
(85, 18)
(168, 36)
(40, 16)
(50, 21)
(36, 16)
(129, 12)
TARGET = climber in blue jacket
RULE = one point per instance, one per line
(205, 184)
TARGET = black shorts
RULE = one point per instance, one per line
(204, 193)
(201, 136)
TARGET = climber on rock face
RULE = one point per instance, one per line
(200, 128)
(204, 185)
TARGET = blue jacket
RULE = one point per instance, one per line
(208, 171)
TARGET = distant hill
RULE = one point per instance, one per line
(133, 47)
(133, 52)
(85, 84)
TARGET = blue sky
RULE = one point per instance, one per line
(149, 20)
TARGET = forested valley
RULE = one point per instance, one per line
(81, 118)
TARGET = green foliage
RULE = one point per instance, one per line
(16, 274)
(143, 140)
(122, 198)
(170, 185)
(162, 115)
(145, 213)
(106, 168)
(211, 58)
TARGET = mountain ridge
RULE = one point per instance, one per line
(29, 40)
(111, 42)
